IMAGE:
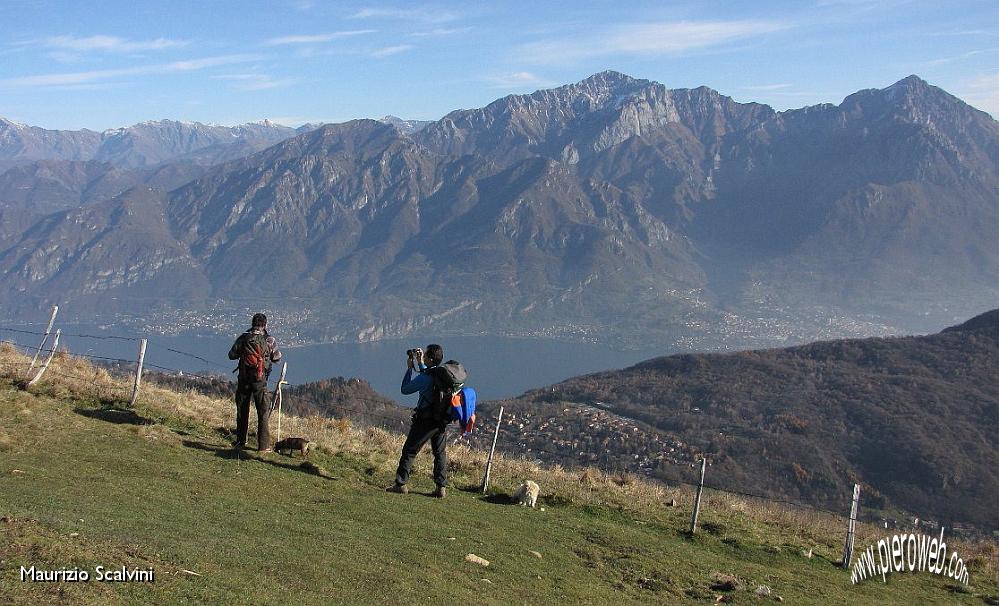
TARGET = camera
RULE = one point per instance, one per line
(412, 352)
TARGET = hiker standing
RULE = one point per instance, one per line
(256, 351)
(437, 383)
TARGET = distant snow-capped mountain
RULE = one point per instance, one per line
(141, 145)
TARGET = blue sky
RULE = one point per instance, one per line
(109, 64)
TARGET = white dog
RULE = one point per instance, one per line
(527, 494)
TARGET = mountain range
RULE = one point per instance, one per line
(141, 145)
(614, 209)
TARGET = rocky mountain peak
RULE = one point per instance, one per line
(911, 83)
(609, 80)
(597, 91)
(914, 91)
(909, 92)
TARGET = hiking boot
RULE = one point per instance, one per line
(441, 492)
(398, 488)
(265, 450)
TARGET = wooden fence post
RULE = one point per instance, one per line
(851, 527)
(489, 461)
(48, 360)
(138, 372)
(278, 399)
(697, 499)
(48, 330)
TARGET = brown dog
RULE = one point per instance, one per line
(290, 445)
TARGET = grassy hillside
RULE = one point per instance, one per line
(85, 482)
(915, 420)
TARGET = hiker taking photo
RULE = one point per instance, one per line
(256, 351)
(437, 384)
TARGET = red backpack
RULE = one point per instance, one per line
(255, 357)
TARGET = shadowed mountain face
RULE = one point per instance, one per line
(915, 420)
(611, 209)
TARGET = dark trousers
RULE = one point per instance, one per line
(422, 431)
(256, 391)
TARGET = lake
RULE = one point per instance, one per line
(498, 367)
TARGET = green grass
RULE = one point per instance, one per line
(81, 486)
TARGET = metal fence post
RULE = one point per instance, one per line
(851, 527)
(697, 499)
(489, 461)
(138, 372)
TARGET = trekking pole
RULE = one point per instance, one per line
(235, 444)
(277, 397)
(489, 461)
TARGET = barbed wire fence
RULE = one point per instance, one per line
(122, 368)
(104, 376)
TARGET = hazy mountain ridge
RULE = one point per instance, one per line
(20, 143)
(141, 145)
(613, 208)
(406, 127)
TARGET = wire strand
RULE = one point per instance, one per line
(188, 354)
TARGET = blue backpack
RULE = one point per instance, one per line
(464, 409)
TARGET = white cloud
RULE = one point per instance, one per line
(982, 92)
(195, 64)
(392, 50)
(864, 5)
(965, 32)
(424, 14)
(648, 39)
(517, 81)
(961, 57)
(111, 44)
(65, 57)
(767, 87)
(317, 38)
(251, 82)
(441, 31)
(85, 77)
